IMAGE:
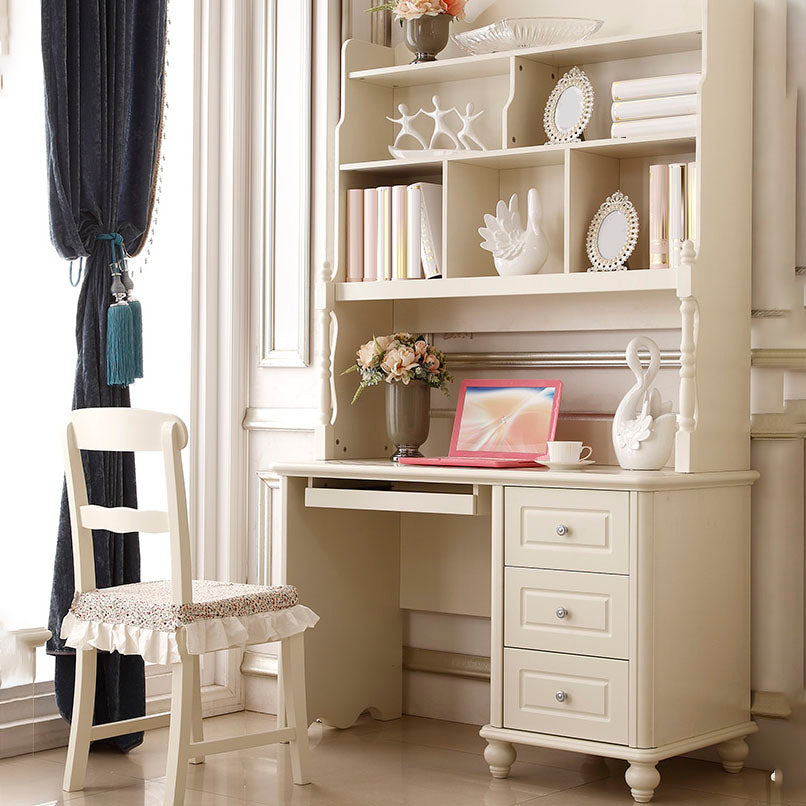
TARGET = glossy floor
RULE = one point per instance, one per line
(408, 762)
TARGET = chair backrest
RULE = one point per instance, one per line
(122, 429)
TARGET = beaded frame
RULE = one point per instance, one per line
(618, 202)
(573, 78)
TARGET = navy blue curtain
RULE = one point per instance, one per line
(103, 66)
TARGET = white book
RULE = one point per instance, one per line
(431, 228)
(399, 233)
(414, 266)
(658, 217)
(679, 126)
(654, 108)
(384, 268)
(655, 87)
(371, 234)
(355, 235)
(677, 214)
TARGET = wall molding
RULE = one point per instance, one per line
(588, 359)
(265, 201)
(268, 484)
(786, 358)
(281, 419)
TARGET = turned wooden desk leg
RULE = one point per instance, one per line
(643, 778)
(500, 756)
(732, 754)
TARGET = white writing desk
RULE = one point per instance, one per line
(619, 601)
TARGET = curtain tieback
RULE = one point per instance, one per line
(124, 319)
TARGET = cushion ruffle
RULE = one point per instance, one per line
(204, 635)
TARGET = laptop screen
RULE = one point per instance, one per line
(505, 418)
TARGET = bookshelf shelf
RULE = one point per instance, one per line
(706, 300)
(498, 64)
(538, 284)
(531, 156)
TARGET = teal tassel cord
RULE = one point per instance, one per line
(119, 345)
(137, 336)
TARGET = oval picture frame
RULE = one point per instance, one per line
(617, 203)
(573, 78)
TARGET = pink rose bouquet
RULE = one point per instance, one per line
(414, 9)
(399, 358)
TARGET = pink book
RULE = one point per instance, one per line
(370, 234)
(355, 236)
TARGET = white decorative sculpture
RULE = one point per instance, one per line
(516, 250)
(463, 139)
(467, 136)
(406, 128)
(644, 426)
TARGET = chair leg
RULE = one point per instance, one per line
(81, 723)
(197, 729)
(179, 736)
(292, 654)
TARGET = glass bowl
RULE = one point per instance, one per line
(526, 32)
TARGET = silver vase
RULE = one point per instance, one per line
(408, 416)
(426, 36)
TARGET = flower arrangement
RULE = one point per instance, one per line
(414, 9)
(399, 358)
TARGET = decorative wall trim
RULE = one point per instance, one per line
(541, 360)
(268, 483)
(258, 664)
(773, 704)
(769, 313)
(450, 663)
(277, 419)
(800, 269)
(792, 358)
(269, 355)
(432, 661)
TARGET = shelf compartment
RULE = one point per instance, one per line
(498, 64)
(531, 156)
(538, 284)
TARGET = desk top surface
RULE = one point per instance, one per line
(605, 477)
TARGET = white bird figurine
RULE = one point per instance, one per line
(516, 250)
(643, 426)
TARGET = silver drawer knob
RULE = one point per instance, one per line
(561, 612)
(561, 696)
(562, 529)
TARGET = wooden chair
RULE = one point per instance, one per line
(176, 620)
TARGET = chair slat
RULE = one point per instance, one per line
(122, 429)
(124, 519)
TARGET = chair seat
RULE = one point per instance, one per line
(141, 618)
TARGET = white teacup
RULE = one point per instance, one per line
(568, 453)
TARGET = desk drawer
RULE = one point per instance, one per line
(563, 611)
(566, 695)
(572, 530)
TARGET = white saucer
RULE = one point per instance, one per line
(568, 465)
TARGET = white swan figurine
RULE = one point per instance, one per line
(643, 426)
(516, 250)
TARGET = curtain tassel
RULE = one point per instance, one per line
(137, 320)
(120, 363)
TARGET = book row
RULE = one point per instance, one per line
(394, 232)
(672, 212)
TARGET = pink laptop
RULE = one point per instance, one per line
(501, 423)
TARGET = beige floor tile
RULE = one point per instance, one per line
(25, 781)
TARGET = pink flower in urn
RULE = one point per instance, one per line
(456, 8)
(414, 9)
(431, 363)
(420, 348)
(398, 364)
(367, 354)
(384, 342)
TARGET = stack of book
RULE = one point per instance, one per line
(665, 106)
(394, 233)
(672, 212)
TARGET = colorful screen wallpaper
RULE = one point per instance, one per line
(511, 419)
